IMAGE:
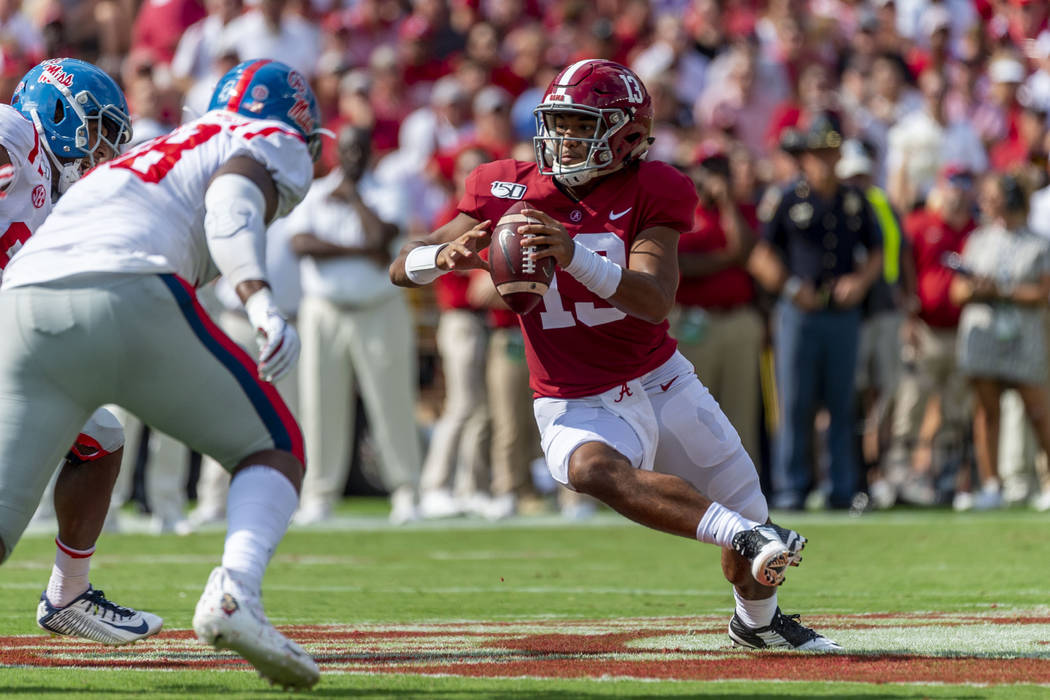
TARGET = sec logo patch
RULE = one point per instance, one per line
(39, 196)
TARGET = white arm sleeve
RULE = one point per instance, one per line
(234, 226)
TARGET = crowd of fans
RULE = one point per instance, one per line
(932, 98)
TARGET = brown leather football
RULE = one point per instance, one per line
(521, 282)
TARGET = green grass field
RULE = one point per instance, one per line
(402, 599)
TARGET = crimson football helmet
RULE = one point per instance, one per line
(623, 111)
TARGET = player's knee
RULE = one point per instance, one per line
(596, 474)
(284, 462)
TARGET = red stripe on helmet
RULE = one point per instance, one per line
(242, 85)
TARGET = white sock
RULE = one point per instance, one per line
(258, 509)
(755, 613)
(70, 575)
(719, 524)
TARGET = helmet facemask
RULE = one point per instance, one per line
(600, 158)
(106, 125)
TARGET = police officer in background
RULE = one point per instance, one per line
(820, 252)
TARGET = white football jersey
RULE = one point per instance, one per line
(26, 201)
(144, 211)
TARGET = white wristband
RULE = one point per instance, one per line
(421, 264)
(595, 272)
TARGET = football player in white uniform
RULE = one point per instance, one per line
(67, 116)
(100, 307)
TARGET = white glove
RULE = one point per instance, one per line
(278, 342)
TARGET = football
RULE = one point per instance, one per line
(520, 281)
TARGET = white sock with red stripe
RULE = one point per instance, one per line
(70, 576)
(260, 506)
(719, 524)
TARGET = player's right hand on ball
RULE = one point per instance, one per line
(462, 253)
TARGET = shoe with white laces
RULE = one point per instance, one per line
(783, 632)
(771, 549)
(91, 616)
(230, 616)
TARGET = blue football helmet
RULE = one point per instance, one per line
(265, 89)
(76, 108)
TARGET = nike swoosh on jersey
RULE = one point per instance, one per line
(141, 628)
(665, 387)
(613, 216)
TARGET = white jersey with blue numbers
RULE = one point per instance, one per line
(144, 211)
(25, 201)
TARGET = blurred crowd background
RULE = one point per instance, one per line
(422, 395)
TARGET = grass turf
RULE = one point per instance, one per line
(542, 569)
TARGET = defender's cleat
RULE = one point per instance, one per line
(771, 550)
(230, 616)
(92, 616)
(784, 632)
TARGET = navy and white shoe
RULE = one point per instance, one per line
(91, 616)
(771, 549)
(784, 632)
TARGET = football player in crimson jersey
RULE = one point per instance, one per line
(67, 116)
(622, 415)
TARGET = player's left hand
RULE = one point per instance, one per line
(550, 237)
(461, 254)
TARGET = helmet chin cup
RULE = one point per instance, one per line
(68, 173)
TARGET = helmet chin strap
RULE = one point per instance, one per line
(68, 172)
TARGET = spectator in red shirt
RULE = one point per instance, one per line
(483, 46)
(717, 326)
(160, 24)
(936, 231)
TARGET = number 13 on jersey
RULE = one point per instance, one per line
(555, 314)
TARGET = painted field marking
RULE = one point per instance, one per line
(960, 648)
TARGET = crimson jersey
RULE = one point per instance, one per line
(576, 343)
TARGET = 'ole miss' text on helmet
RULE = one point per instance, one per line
(265, 89)
(616, 99)
(76, 108)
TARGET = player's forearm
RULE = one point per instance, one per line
(705, 264)
(643, 296)
(398, 272)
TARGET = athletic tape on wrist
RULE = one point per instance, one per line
(595, 272)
